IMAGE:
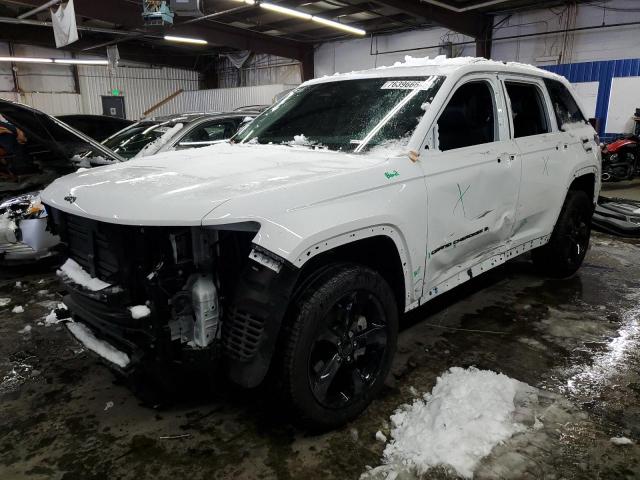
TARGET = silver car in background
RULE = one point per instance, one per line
(23, 219)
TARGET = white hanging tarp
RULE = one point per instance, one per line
(238, 58)
(64, 24)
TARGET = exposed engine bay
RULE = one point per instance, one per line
(168, 292)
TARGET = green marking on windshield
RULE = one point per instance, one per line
(391, 174)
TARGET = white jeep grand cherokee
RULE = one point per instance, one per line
(295, 247)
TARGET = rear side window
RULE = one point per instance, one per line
(564, 105)
(527, 109)
(469, 117)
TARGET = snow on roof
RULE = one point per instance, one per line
(440, 65)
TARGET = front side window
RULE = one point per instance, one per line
(469, 117)
(527, 109)
(565, 106)
(208, 134)
(347, 115)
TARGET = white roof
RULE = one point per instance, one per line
(440, 65)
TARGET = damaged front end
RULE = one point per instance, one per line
(23, 230)
(202, 297)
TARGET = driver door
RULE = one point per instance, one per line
(472, 174)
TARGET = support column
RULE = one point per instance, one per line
(484, 40)
(14, 73)
(307, 65)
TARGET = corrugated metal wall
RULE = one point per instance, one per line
(141, 87)
(221, 99)
(259, 69)
(51, 88)
(53, 103)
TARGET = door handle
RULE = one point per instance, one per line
(510, 156)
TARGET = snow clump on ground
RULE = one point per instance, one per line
(466, 415)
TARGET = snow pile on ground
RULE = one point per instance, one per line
(77, 274)
(621, 441)
(466, 415)
(4, 302)
(25, 329)
(139, 311)
(89, 340)
(18, 309)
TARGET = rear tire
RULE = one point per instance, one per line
(563, 255)
(338, 346)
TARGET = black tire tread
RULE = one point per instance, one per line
(315, 293)
(548, 258)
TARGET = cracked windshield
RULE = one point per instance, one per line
(349, 115)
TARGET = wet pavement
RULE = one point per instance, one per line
(629, 189)
(65, 416)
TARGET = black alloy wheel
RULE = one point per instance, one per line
(349, 350)
(338, 344)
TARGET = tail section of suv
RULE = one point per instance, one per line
(350, 201)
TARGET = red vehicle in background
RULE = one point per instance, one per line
(621, 158)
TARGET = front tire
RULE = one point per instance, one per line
(339, 343)
(563, 255)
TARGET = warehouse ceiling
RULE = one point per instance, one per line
(230, 25)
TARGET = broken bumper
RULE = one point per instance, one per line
(617, 217)
(109, 328)
(103, 349)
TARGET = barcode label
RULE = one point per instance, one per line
(403, 85)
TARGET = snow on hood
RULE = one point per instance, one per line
(181, 187)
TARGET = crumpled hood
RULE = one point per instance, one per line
(180, 188)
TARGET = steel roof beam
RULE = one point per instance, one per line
(467, 23)
(128, 15)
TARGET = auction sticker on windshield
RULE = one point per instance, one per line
(403, 85)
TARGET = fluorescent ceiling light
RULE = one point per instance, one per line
(304, 16)
(286, 11)
(26, 60)
(339, 26)
(75, 61)
(197, 41)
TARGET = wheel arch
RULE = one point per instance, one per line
(266, 292)
(378, 251)
(585, 181)
(380, 247)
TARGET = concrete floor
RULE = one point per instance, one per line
(629, 190)
(63, 416)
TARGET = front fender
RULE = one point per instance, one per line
(301, 221)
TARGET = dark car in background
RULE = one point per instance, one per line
(98, 127)
(35, 149)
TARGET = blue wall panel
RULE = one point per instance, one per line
(602, 72)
